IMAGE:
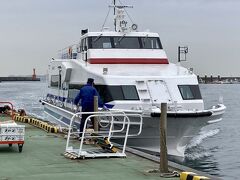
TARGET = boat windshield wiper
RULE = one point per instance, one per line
(121, 38)
(97, 38)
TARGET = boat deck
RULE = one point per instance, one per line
(42, 158)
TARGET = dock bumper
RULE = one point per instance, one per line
(191, 176)
(37, 123)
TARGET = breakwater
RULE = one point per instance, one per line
(218, 80)
(18, 78)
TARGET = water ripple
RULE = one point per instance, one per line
(202, 135)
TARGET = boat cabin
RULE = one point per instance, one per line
(122, 48)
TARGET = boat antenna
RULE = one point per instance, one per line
(126, 11)
(114, 13)
(114, 3)
(120, 23)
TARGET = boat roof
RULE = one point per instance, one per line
(113, 33)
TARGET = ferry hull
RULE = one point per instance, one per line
(179, 130)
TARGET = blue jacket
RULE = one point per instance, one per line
(86, 95)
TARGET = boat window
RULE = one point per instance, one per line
(81, 46)
(190, 92)
(54, 80)
(116, 92)
(84, 45)
(100, 42)
(72, 93)
(75, 86)
(124, 42)
(103, 92)
(111, 93)
(151, 43)
(74, 55)
(130, 92)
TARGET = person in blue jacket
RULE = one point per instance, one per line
(86, 95)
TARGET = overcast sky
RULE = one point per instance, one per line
(32, 31)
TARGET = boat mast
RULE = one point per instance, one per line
(114, 13)
(120, 23)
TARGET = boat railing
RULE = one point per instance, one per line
(117, 125)
(69, 52)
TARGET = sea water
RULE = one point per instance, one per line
(215, 150)
(24, 95)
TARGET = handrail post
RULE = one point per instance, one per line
(69, 129)
(95, 125)
(163, 142)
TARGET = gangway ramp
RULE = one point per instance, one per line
(113, 124)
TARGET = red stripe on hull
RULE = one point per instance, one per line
(11, 142)
(128, 61)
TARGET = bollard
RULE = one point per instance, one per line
(95, 125)
(163, 142)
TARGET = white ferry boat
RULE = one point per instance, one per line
(132, 72)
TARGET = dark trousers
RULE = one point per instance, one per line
(84, 117)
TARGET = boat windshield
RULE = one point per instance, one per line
(124, 42)
(190, 92)
(109, 92)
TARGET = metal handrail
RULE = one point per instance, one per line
(130, 113)
(110, 131)
(125, 123)
(66, 50)
(139, 123)
(93, 114)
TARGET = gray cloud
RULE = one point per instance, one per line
(33, 31)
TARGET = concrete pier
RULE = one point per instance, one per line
(42, 158)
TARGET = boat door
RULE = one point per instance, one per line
(159, 91)
(84, 48)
